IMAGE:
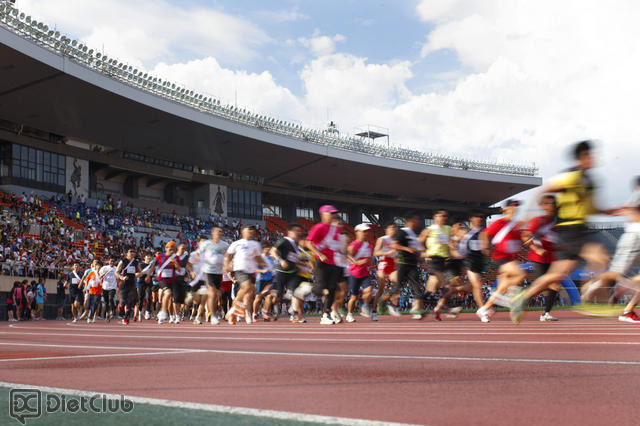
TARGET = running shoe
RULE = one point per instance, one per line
(436, 316)
(248, 319)
(364, 311)
(483, 314)
(177, 319)
(301, 321)
(350, 318)
(266, 317)
(197, 321)
(336, 318)
(517, 307)
(88, 320)
(292, 318)
(107, 318)
(547, 317)
(75, 320)
(147, 315)
(454, 312)
(393, 310)
(326, 320)
(599, 310)
(629, 317)
(374, 316)
(125, 321)
(417, 314)
(215, 320)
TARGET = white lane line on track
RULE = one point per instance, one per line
(405, 357)
(59, 345)
(223, 409)
(324, 340)
(68, 357)
(187, 328)
(349, 333)
(409, 357)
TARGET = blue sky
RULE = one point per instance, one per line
(502, 80)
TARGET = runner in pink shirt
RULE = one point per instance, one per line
(359, 253)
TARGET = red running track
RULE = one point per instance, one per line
(576, 371)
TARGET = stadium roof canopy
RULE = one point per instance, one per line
(50, 82)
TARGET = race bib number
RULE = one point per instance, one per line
(443, 239)
(131, 269)
(474, 245)
(167, 273)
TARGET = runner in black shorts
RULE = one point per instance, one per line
(76, 296)
(164, 267)
(574, 191)
(145, 287)
(212, 255)
(179, 289)
(409, 252)
(127, 271)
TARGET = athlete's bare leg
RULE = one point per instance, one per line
(476, 287)
(510, 274)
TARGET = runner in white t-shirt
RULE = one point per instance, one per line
(109, 287)
(243, 258)
(212, 253)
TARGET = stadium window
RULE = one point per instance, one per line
(269, 210)
(39, 167)
(304, 212)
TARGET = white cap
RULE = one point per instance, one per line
(362, 227)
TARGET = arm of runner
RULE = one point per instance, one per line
(377, 250)
(310, 246)
(139, 272)
(228, 259)
(118, 270)
(422, 238)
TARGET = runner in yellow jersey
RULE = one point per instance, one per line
(436, 239)
(575, 194)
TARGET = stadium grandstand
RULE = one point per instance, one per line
(98, 143)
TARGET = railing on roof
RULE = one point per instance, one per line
(25, 26)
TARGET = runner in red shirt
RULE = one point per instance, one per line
(540, 238)
(360, 254)
(323, 241)
(506, 237)
(165, 266)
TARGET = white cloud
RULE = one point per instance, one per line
(353, 90)
(256, 92)
(282, 16)
(543, 74)
(146, 31)
(321, 45)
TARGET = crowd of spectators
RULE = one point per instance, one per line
(42, 238)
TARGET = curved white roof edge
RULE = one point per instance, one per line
(68, 65)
